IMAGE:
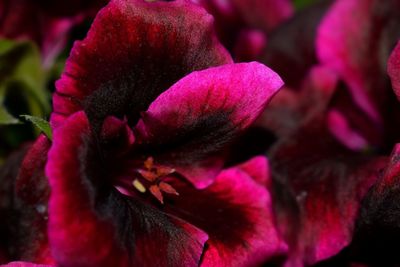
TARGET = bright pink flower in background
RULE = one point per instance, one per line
(318, 183)
(377, 229)
(332, 140)
(355, 39)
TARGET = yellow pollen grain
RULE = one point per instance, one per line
(139, 186)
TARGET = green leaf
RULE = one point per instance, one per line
(7, 118)
(42, 124)
(21, 70)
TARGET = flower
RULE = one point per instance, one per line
(341, 129)
(143, 117)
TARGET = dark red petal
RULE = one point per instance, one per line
(289, 109)
(8, 173)
(32, 191)
(290, 49)
(84, 203)
(134, 51)
(394, 69)
(190, 124)
(236, 212)
(26, 221)
(378, 227)
(320, 185)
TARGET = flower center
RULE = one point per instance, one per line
(152, 178)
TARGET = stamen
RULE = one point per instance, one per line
(148, 175)
(167, 188)
(149, 162)
(154, 176)
(139, 186)
(155, 191)
(164, 171)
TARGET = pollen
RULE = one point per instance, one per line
(152, 178)
(139, 186)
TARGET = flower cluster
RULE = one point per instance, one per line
(236, 133)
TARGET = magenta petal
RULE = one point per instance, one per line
(134, 51)
(84, 203)
(236, 212)
(319, 185)
(258, 169)
(189, 124)
(394, 69)
(356, 51)
(341, 129)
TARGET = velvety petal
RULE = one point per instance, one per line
(25, 220)
(8, 173)
(320, 184)
(84, 203)
(378, 228)
(189, 125)
(290, 49)
(134, 51)
(236, 212)
(359, 53)
(394, 69)
(29, 230)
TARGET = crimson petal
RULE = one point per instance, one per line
(324, 185)
(27, 218)
(133, 52)
(236, 212)
(190, 124)
(84, 203)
